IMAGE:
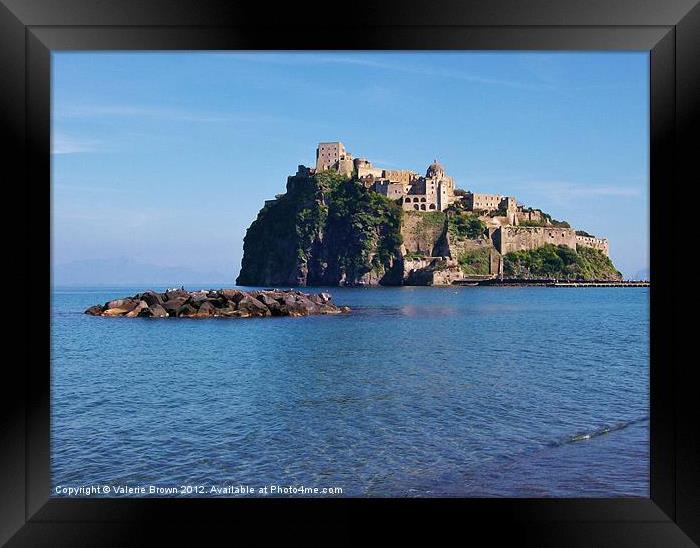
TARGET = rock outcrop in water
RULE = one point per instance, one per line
(227, 303)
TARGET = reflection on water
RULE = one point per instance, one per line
(426, 311)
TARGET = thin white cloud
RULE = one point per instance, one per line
(570, 189)
(98, 219)
(558, 191)
(609, 191)
(121, 111)
(87, 111)
(385, 163)
(87, 188)
(418, 70)
(65, 144)
(565, 191)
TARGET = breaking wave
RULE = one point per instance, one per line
(601, 431)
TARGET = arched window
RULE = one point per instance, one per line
(407, 200)
(422, 199)
(415, 206)
(415, 199)
(432, 206)
(422, 206)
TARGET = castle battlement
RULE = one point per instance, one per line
(591, 241)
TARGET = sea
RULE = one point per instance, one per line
(418, 392)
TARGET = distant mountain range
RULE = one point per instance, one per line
(123, 271)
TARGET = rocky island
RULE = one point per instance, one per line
(348, 222)
(225, 303)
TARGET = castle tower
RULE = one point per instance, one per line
(435, 170)
(329, 154)
(443, 199)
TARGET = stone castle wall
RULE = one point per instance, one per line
(420, 202)
(392, 191)
(600, 244)
(364, 171)
(345, 166)
(402, 176)
(529, 216)
(484, 202)
(516, 238)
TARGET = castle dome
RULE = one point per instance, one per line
(435, 170)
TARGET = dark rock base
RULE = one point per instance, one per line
(224, 303)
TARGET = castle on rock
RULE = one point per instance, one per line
(511, 226)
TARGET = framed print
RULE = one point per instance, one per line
(348, 266)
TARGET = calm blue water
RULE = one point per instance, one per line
(524, 392)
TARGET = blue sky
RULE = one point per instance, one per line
(164, 159)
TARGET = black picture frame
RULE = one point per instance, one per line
(669, 29)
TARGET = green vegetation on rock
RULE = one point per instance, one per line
(430, 220)
(327, 229)
(412, 255)
(547, 220)
(560, 262)
(475, 262)
(366, 225)
(595, 264)
(532, 223)
(465, 225)
(554, 222)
